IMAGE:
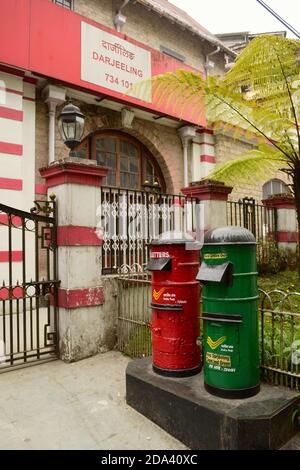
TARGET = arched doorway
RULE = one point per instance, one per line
(130, 163)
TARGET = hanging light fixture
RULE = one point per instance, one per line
(71, 126)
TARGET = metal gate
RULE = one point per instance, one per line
(28, 289)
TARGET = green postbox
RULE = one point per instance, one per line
(228, 275)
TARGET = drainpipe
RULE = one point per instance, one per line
(120, 19)
(209, 64)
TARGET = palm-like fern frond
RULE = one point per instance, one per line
(251, 168)
(259, 68)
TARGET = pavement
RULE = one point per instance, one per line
(77, 406)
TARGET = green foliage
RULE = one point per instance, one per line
(260, 94)
(279, 335)
(272, 260)
(139, 342)
(286, 281)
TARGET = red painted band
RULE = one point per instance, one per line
(9, 183)
(16, 256)
(31, 80)
(213, 197)
(73, 173)
(11, 71)
(204, 143)
(205, 131)
(77, 236)
(288, 237)
(41, 189)
(11, 90)
(26, 98)
(208, 158)
(77, 298)
(280, 202)
(12, 149)
(210, 192)
(9, 113)
(16, 221)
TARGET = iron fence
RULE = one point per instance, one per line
(260, 220)
(279, 328)
(280, 338)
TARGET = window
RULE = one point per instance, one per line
(131, 165)
(64, 3)
(173, 54)
(275, 186)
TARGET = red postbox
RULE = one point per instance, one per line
(175, 306)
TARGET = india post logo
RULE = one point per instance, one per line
(158, 293)
(214, 344)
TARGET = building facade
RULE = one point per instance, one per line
(55, 55)
(136, 146)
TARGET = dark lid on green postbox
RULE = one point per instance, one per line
(229, 236)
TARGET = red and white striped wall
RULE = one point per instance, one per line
(17, 155)
(203, 154)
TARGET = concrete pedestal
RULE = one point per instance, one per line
(201, 421)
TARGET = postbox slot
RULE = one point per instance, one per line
(159, 264)
(166, 306)
(222, 273)
(222, 317)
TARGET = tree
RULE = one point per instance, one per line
(259, 95)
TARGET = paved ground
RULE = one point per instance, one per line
(293, 444)
(77, 406)
(74, 406)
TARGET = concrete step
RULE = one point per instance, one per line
(188, 412)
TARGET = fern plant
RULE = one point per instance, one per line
(259, 95)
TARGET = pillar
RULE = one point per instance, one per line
(82, 322)
(213, 198)
(287, 234)
(53, 96)
(203, 154)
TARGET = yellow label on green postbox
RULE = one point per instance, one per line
(215, 256)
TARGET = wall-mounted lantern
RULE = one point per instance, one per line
(71, 126)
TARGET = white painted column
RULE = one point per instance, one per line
(287, 227)
(85, 327)
(213, 198)
(203, 154)
(53, 96)
(186, 133)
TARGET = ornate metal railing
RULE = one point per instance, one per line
(129, 220)
(280, 337)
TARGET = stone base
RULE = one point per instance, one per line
(202, 421)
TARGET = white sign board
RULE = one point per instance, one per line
(111, 62)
